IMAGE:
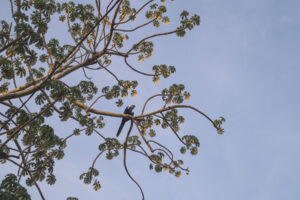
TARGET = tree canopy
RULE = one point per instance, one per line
(35, 65)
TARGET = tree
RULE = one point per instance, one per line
(100, 34)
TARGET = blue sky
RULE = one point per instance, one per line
(242, 63)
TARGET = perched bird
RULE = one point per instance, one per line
(128, 111)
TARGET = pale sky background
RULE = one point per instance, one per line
(242, 63)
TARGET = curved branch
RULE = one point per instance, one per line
(176, 106)
(134, 150)
(105, 68)
(66, 138)
(156, 35)
(85, 74)
(124, 161)
(87, 110)
(162, 147)
(143, 73)
(157, 95)
(170, 157)
(80, 104)
(99, 154)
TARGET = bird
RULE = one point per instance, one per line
(128, 111)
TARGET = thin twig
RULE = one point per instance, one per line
(157, 95)
(124, 161)
(25, 165)
(172, 129)
(143, 73)
(134, 29)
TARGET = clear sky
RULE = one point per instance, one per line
(243, 63)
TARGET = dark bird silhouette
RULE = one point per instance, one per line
(128, 111)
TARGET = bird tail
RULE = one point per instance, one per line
(120, 129)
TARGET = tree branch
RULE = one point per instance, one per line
(124, 161)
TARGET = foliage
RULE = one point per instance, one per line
(11, 189)
(33, 66)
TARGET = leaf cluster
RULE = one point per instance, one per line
(11, 189)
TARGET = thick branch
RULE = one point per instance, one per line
(80, 104)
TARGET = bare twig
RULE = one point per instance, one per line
(134, 29)
(143, 73)
(157, 95)
(172, 129)
(162, 147)
(105, 68)
(124, 161)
